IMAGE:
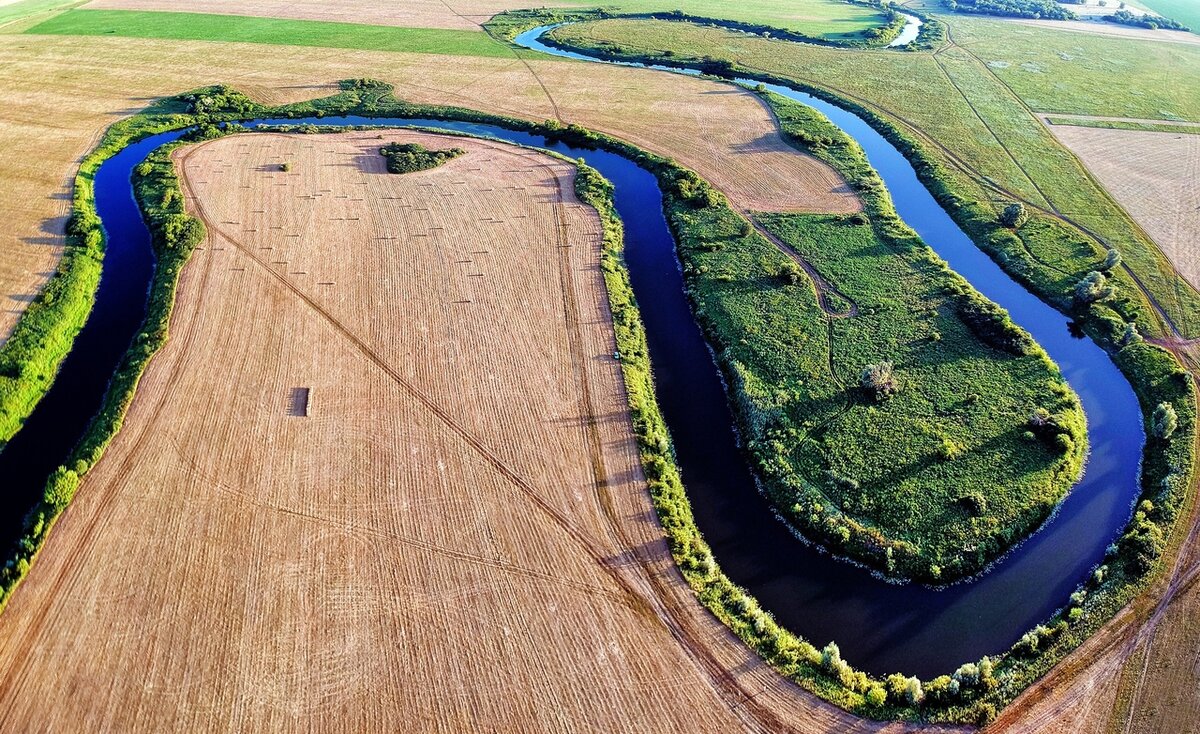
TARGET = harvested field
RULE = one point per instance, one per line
(459, 14)
(1153, 175)
(726, 135)
(457, 534)
(1103, 28)
(829, 18)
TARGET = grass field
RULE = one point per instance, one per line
(458, 14)
(827, 18)
(283, 32)
(1153, 175)
(1078, 74)
(1174, 128)
(934, 481)
(993, 148)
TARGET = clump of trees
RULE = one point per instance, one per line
(1014, 215)
(412, 157)
(1164, 421)
(879, 380)
(220, 99)
(1013, 8)
(1145, 20)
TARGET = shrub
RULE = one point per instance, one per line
(876, 696)
(1111, 260)
(413, 157)
(790, 272)
(942, 689)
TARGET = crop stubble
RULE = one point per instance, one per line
(725, 135)
(1153, 176)
(458, 535)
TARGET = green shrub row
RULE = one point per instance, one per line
(508, 25)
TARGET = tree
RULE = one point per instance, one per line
(879, 380)
(876, 696)
(1093, 287)
(1014, 215)
(1111, 260)
(1164, 421)
(942, 689)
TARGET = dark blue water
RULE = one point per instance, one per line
(880, 627)
(59, 421)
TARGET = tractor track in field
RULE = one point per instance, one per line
(647, 591)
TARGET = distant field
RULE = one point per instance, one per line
(971, 118)
(1154, 176)
(1184, 11)
(728, 136)
(1077, 74)
(829, 18)
(284, 32)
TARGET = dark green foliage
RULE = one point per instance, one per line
(993, 324)
(1013, 8)
(1145, 20)
(413, 157)
(1014, 215)
(220, 100)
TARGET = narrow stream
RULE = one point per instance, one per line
(880, 627)
(909, 33)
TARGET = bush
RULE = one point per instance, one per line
(413, 157)
(1092, 288)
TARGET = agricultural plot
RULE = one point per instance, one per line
(828, 18)
(459, 509)
(459, 14)
(1153, 175)
(728, 136)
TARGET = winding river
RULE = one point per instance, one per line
(880, 627)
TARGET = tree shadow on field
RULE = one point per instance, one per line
(52, 230)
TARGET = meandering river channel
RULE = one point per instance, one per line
(880, 627)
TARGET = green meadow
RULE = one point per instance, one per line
(283, 32)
